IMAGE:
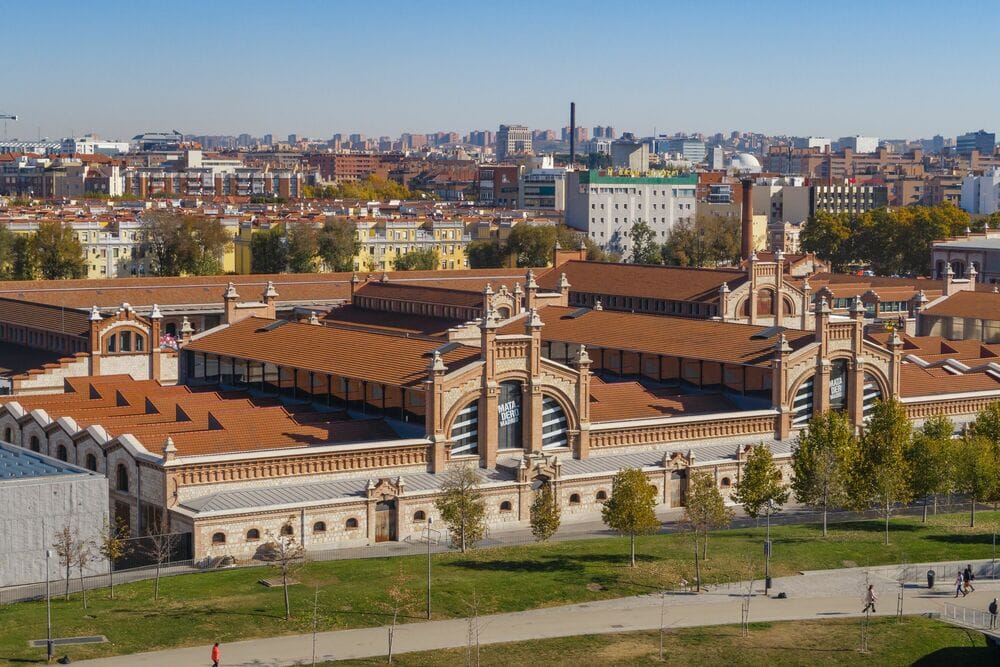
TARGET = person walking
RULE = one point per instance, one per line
(967, 577)
(216, 655)
(993, 614)
(960, 585)
(870, 598)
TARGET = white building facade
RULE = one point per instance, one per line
(981, 194)
(606, 206)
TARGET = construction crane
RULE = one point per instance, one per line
(5, 117)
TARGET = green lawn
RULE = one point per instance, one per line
(915, 641)
(230, 605)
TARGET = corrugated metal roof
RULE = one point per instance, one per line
(318, 492)
(18, 463)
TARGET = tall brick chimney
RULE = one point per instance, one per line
(746, 219)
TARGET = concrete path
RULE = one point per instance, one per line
(814, 595)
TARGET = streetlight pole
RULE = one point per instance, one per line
(48, 610)
(429, 521)
(767, 551)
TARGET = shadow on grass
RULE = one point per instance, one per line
(870, 526)
(963, 538)
(208, 611)
(567, 564)
(967, 656)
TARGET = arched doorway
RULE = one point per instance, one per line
(802, 404)
(872, 393)
(385, 520)
(509, 435)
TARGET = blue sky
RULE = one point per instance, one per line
(889, 69)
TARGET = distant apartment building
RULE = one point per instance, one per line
(835, 166)
(91, 145)
(499, 185)
(512, 140)
(542, 186)
(581, 134)
(847, 198)
(384, 241)
(981, 194)
(858, 144)
(347, 167)
(69, 177)
(606, 206)
(982, 141)
(630, 155)
(692, 150)
(606, 132)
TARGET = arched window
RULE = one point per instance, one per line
(574, 499)
(505, 506)
(419, 515)
(112, 343)
(7, 434)
(61, 453)
(555, 425)
(656, 491)
(218, 538)
(465, 430)
(34, 444)
(351, 523)
(125, 340)
(725, 482)
(91, 462)
(503, 312)
(121, 478)
(140, 343)
(602, 495)
(319, 527)
(253, 534)
(287, 529)
(765, 302)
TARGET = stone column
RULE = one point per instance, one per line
(582, 363)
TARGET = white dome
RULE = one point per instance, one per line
(745, 162)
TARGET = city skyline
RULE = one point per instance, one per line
(394, 68)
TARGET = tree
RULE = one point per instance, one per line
(545, 514)
(704, 510)
(285, 554)
(631, 508)
(829, 236)
(424, 259)
(113, 545)
(303, 248)
(929, 459)
(181, 244)
(708, 240)
(269, 251)
(879, 474)
(24, 258)
(819, 461)
(7, 252)
(66, 546)
(760, 490)
(485, 254)
(976, 470)
(645, 249)
(399, 602)
(987, 424)
(338, 244)
(58, 251)
(531, 245)
(463, 508)
(83, 557)
(159, 546)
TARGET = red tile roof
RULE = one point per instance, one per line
(636, 280)
(630, 400)
(654, 334)
(392, 359)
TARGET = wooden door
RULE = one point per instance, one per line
(385, 521)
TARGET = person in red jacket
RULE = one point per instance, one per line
(216, 655)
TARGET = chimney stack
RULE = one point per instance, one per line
(572, 133)
(746, 219)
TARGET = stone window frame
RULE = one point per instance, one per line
(601, 495)
(574, 499)
(319, 527)
(506, 506)
(420, 515)
(253, 535)
(351, 524)
(218, 538)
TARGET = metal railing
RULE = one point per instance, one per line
(979, 619)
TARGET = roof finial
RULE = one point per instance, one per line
(95, 314)
(597, 305)
(437, 364)
(231, 292)
(156, 314)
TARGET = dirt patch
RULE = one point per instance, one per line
(595, 588)
(848, 563)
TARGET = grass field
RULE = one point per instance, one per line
(230, 605)
(915, 641)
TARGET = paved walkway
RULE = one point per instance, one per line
(814, 595)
